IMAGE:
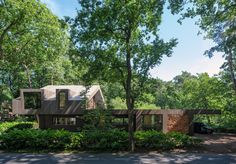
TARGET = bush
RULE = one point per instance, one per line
(182, 140)
(111, 140)
(97, 119)
(34, 139)
(21, 136)
(8, 126)
(154, 140)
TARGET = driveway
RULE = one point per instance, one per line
(218, 142)
(116, 158)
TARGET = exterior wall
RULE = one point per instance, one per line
(172, 120)
(51, 107)
(178, 122)
(16, 106)
(19, 103)
(46, 122)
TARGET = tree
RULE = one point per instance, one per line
(120, 41)
(217, 19)
(32, 39)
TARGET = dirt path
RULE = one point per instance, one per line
(218, 143)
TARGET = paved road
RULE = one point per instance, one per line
(116, 158)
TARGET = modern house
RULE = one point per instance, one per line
(61, 106)
(58, 106)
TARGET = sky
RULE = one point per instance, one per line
(187, 55)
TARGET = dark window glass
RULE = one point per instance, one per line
(120, 121)
(64, 120)
(151, 122)
(62, 100)
(32, 100)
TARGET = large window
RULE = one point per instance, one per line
(62, 99)
(32, 100)
(64, 120)
(120, 121)
(151, 122)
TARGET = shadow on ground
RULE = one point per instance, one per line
(218, 142)
(115, 158)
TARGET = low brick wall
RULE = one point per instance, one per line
(178, 122)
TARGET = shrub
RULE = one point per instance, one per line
(34, 139)
(97, 119)
(8, 126)
(154, 140)
(106, 140)
(181, 140)
(21, 136)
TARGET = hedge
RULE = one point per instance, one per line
(8, 126)
(23, 136)
(35, 139)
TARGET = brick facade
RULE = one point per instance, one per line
(179, 123)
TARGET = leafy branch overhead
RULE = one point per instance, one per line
(106, 32)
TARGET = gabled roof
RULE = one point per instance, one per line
(75, 92)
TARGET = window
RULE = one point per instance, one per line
(64, 120)
(151, 122)
(62, 99)
(32, 100)
(120, 121)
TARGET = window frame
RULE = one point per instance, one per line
(156, 122)
(59, 91)
(56, 119)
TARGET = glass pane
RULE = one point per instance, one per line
(62, 99)
(32, 100)
(151, 122)
(64, 121)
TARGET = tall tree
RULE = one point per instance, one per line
(217, 19)
(120, 41)
(31, 39)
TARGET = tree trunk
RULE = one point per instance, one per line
(129, 100)
(231, 69)
(28, 76)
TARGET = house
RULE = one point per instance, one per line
(58, 106)
(63, 106)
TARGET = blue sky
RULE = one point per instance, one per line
(187, 56)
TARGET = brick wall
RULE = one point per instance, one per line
(178, 122)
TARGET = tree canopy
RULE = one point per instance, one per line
(33, 44)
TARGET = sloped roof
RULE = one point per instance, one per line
(76, 92)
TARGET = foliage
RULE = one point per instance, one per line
(6, 127)
(30, 37)
(5, 93)
(112, 140)
(97, 119)
(27, 139)
(119, 41)
(105, 45)
(35, 139)
(118, 103)
(155, 140)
